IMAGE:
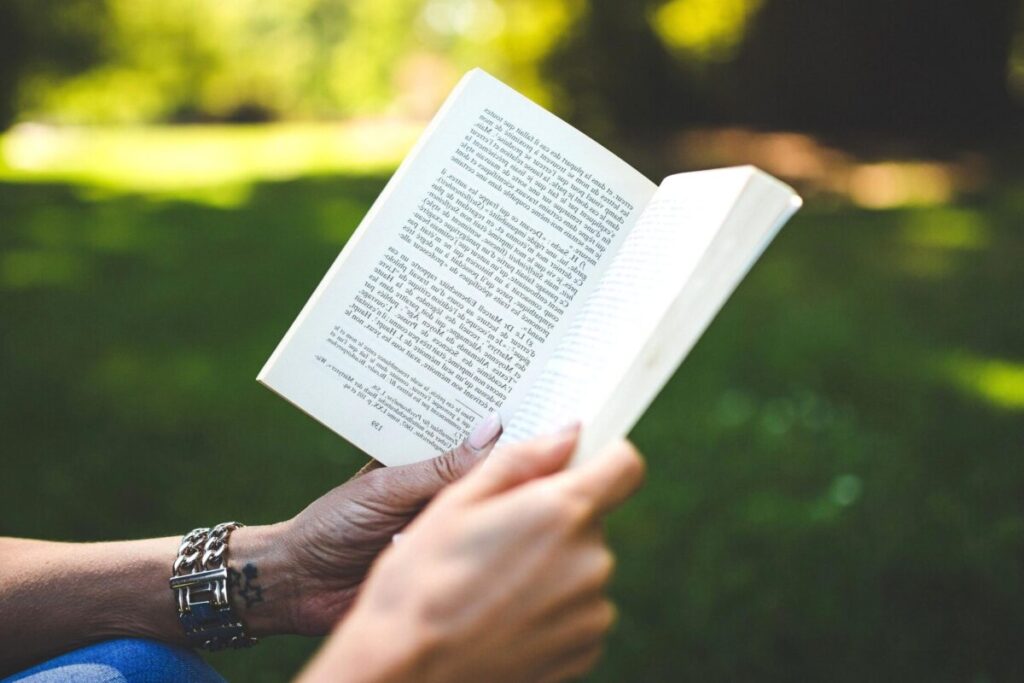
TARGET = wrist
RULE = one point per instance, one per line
(261, 585)
(149, 609)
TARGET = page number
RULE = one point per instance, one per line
(377, 425)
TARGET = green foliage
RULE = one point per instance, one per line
(614, 66)
(55, 37)
(703, 28)
(247, 59)
(834, 489)
(907, 69)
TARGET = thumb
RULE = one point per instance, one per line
(522, 462)
(419, 482)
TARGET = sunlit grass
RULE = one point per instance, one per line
(947, 228)
(210, 164)
(938, 240)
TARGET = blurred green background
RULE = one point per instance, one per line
(836, 485)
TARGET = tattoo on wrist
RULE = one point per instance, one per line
(244, 585)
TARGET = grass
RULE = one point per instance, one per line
(835, 476)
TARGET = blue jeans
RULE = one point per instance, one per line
(130, 660)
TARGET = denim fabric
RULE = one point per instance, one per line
(130, 660)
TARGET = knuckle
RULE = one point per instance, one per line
(590, 660)
(562, 508)
(374, 483)
(505, 464)
(576, 511)
(586, 662)
(445, 467)
(551, 501)
(596, 620)
(464, 451)
(633, 463)
(605, 566)
(573, 512)
(606, 617)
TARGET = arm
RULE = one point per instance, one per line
(305, 572)
(57, 596)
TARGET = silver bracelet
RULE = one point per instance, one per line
(199, 578)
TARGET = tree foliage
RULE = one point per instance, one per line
(937, 70)
(52, 37)
(203, 59)
(943, 70)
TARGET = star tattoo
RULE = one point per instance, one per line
(244, 584)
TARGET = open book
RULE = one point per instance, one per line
(512, 264)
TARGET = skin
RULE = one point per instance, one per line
(55, 597)
(501, 578)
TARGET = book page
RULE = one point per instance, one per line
(455, 288)
(693, 244)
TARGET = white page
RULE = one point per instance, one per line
(454, 289)
(696, 240)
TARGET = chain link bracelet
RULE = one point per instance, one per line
(199, 578)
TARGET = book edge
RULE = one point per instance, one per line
(586, 447)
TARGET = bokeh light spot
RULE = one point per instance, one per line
(710, 29)
(998, 382)
(846, 489)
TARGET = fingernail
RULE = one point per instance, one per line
(570, 429)
(485, 432)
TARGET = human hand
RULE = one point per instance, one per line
(502, 578)
(317, 561)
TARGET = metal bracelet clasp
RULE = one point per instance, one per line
(211, 584)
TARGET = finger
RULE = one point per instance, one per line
(578, 642)
(607, 480)
(574, 666)
(483, 437)
(585, 625)
(591, 569)
(420, 481)
(522, 462)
